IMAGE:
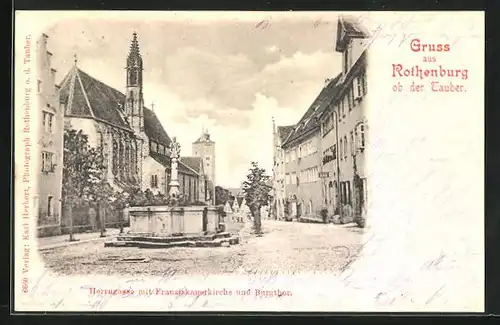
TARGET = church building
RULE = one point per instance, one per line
(132, 139)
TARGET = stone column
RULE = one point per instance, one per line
(175, 149)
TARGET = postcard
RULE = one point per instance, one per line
(249, 161)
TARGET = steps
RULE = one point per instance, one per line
(144, 241)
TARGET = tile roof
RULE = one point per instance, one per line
(154, 129)
(94, 99)
(162, 159)
(284, 131)
(183, 169)
(310, 120)
(204, 138)
(166, 162)
(195, 163)
(348, 27)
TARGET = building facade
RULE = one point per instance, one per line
(47, 203)
(344, 125)
(204, 148)
(131, 138)
(324, 154)
(303, 155)
(280, 134)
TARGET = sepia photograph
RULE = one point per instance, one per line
(249, 161)
(177, 146)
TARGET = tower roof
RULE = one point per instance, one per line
(134, 55)
(204, 138)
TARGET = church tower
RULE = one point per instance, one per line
(134, 101)
(134, 104)
(204, 147)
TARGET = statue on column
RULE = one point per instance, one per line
(175, 149)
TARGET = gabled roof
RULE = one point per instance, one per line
(195, 163)
(166, 162)
(154, 129)
(284, 131)
(88, 97)
(346, 81)
(162, 159)
(348, 28)
(184, 169)
(310, 121)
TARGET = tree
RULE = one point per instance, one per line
(257, 193)
(221, 195)
(82, 173)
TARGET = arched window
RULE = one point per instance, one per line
(115, 157)
(120, 159)
(126, 160)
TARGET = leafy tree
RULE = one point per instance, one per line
(83, 173)
(257, 193)
(221, 195)
(83, 168)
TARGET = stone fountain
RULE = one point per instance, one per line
(174, 225)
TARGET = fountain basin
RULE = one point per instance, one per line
(166, 226)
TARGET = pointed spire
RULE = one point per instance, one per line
(75, 59)
(134, 53)
(153, 106)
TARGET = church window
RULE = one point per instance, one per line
(154, 146)
(115, 158)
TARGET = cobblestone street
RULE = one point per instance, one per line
(284, 247)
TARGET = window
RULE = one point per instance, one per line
(47, 120)
(352, 143)
(346, 60)
(161, 149)
(154, 146)
(47, 161)
(345, 146)
(356, 139)
(207, 158)
(39, 86)
(351, 99)
(341, 149)
(50, 206)
(287, 179)
(364, 84)
(361, 136)
(154, 181)
(349, 192)
(345, 101)
(359, 87)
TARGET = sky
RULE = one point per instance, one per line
(230, 76)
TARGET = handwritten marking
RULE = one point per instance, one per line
(437, 294)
